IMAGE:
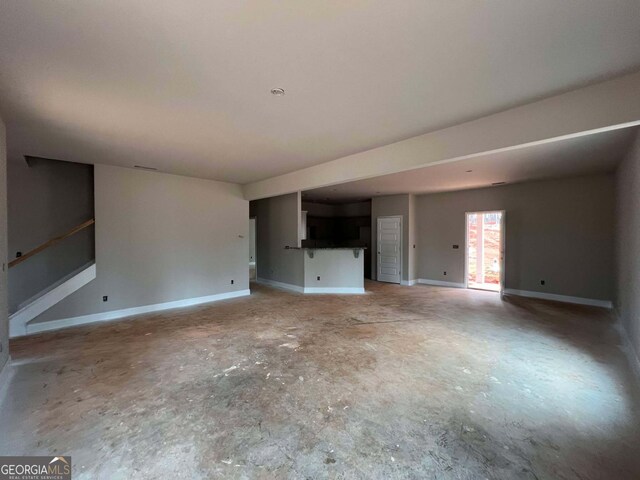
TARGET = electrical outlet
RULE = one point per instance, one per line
(541, 282)
(231, 282)
(18, 254)
(318, 277)
(105, 298)
(445, 273)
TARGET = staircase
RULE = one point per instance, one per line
(39, 303)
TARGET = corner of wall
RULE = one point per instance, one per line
(627, 346)
(4, 301)
(627, 252)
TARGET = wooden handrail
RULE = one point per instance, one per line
(51, 242)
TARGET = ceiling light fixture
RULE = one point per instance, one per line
(469, 171)
(278, 92)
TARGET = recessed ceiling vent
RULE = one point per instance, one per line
(141, 167)
(495, 184)
(278, 92)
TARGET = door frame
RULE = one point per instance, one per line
(378, 246)
(255, 240)
(503, 273)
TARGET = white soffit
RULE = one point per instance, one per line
(584, 155)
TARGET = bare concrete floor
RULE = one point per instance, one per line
(405, 382)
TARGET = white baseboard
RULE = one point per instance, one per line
(286, 286)
(299, 289)
(439, 283)
(559, 298)
(336, 290)
(408, 283)
(117, 314)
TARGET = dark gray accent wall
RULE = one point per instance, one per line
(560, 231)
(354, 209)
(627, 301)
(46, 199)
(277, 226)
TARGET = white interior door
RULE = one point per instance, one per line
(389, 249)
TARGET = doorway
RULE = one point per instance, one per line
(252, 249)
(389, 249)
(484, 265)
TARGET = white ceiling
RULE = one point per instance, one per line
(589, 154)
(184, 85)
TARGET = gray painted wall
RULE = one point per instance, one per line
(394, 205)
(161, 238)
(4, 313)
(46, 199)
(277, 226)
(336, 269)
(560, 231)
(627, 301)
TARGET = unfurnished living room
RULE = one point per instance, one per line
(320, 239)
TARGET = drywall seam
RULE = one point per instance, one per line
(439, 283)
(559, 298)
(127, 312)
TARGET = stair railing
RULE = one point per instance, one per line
(51, 242)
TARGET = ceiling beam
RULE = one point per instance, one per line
(604, 106)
